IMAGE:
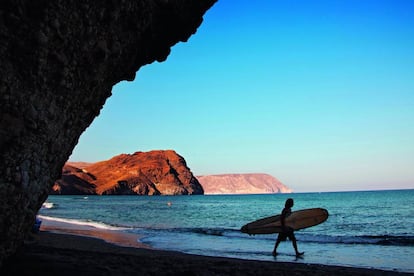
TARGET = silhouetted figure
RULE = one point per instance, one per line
(287, 232)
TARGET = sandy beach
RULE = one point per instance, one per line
(73, 250)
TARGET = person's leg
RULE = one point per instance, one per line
(295, 245)
(279, 239)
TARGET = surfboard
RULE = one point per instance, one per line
(297, 220)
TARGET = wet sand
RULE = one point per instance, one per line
(59, 249)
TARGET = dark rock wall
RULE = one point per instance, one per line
(59, 61)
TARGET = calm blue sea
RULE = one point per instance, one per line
(373, 229)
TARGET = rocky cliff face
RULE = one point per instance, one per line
(60, 60)
(254, 183)
(142, 173)
(74, 181)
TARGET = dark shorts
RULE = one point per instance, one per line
(287, 234)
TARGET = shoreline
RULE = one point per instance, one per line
(110, 236)
(57, 250)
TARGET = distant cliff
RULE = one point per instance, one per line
(254, 183)
(142, 173)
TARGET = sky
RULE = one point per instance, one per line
(319, 94)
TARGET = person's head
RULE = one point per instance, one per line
(289, 203)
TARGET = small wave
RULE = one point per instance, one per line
(81, 198)
(228, 232)
(93, 224)
(208, 231)
(392, 240)
(48, 205)
(363, 239)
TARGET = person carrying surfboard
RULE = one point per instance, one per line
(287, 231)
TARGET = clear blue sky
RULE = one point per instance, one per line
(319, 94)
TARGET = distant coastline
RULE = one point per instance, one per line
(242, 183)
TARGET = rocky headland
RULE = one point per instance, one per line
(250, 183)
(155, 172)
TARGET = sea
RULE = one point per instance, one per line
(369, 229)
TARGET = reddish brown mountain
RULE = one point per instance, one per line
(251, 183)
(74, 181)
(143, 173)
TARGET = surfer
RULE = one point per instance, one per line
(287, 231)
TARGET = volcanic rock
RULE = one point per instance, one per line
(74, 181)
(59, 61)
(142, 173)
(251, 183)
